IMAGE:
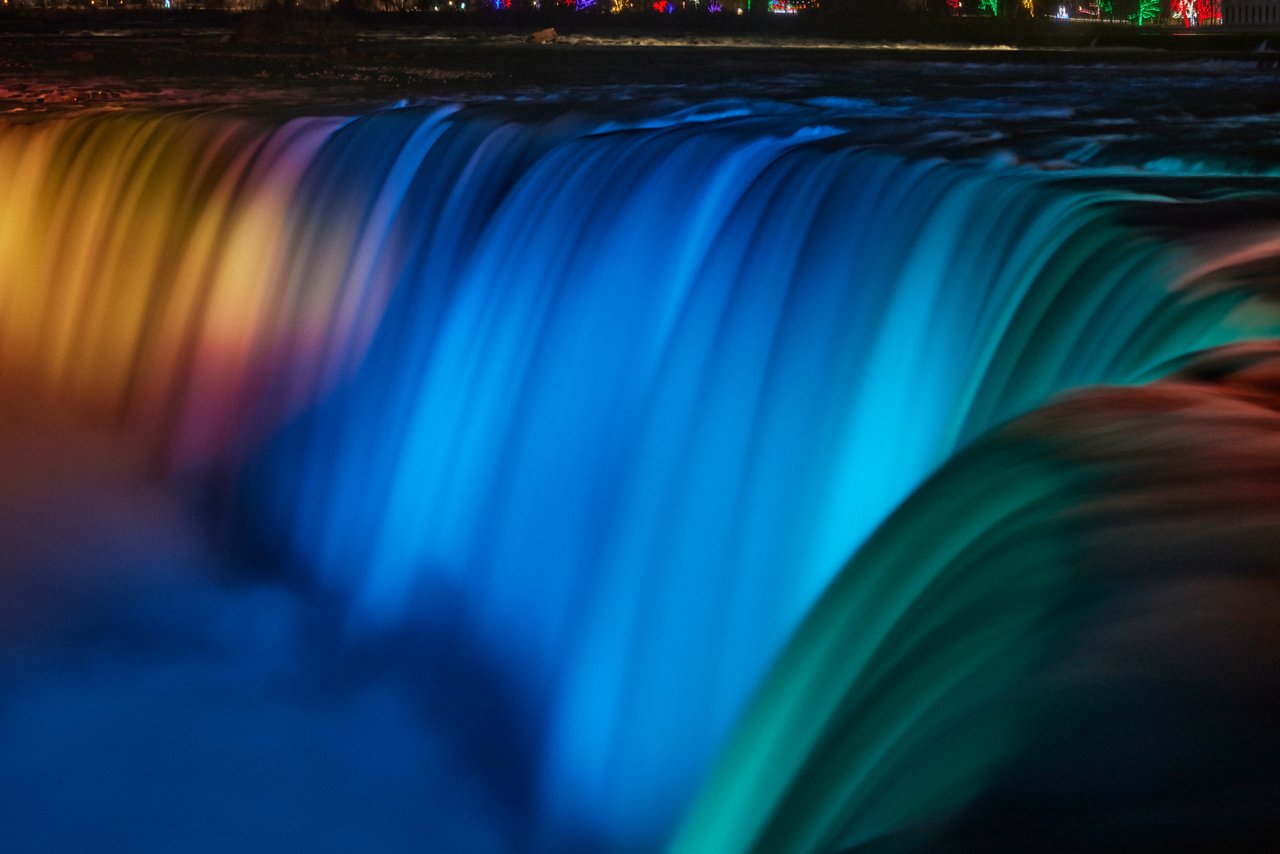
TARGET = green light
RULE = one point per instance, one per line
(1148, 11)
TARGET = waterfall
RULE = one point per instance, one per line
(1081, 657)
(625, 395)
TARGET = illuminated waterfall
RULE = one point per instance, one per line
(629, 393)
(143, 269)
(1081, 657)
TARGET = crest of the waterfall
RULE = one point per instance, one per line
(628, 394)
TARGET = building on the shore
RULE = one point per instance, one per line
(1251, 13)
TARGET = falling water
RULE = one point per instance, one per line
(1081, 657)
(617, 399)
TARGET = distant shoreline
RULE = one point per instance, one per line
(60, 62)
(831, 29)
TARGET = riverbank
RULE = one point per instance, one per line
(833, 28)
(67, 61)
